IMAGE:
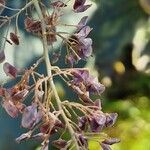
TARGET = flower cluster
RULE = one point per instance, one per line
(47, 114)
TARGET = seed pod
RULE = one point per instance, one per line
(14, 38)
(10, 70)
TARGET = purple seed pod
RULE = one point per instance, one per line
(10, 70)
(14, 38)
(10, 108)
(79, 6)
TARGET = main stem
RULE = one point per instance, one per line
(48, 68)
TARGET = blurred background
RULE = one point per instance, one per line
(121, 61)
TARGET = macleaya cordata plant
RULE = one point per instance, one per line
(48, 115)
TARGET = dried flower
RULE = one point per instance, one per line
(29, 116)
(82, 121)
(82, 141)
(42, 117)
(58, 4)
(60, 143)
(83, 77)
(82, 23)
(80, 46)
(111, 119)
(10, 70)
(10, 108)
(14, 38)
(97, 122)
(79, 6)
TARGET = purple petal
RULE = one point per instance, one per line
(71, 59)
(10, 108)
(81, 75)
(82, 8)
(10, 70)
(97, 103)
(83, 141)
(83, 33)
(86, 49)
(2, 56)
(29, 116)
(97, 122)
(78, 3)
(111, 119)
(111, 141)
(96, 87)
(82, 122)
(82, 22)
(39, 116)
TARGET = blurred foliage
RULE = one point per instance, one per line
(133, 124)
(114, 26)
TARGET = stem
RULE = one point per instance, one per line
(49, 67)
(20, 11)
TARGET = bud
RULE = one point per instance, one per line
(14, 38)
(10, 70)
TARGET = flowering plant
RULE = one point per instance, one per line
(84, 119)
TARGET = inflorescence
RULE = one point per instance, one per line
(84, 119)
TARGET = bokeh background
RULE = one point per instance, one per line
(121, 60)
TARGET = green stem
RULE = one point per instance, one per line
(49, 67)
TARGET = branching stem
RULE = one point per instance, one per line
(49, 67)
